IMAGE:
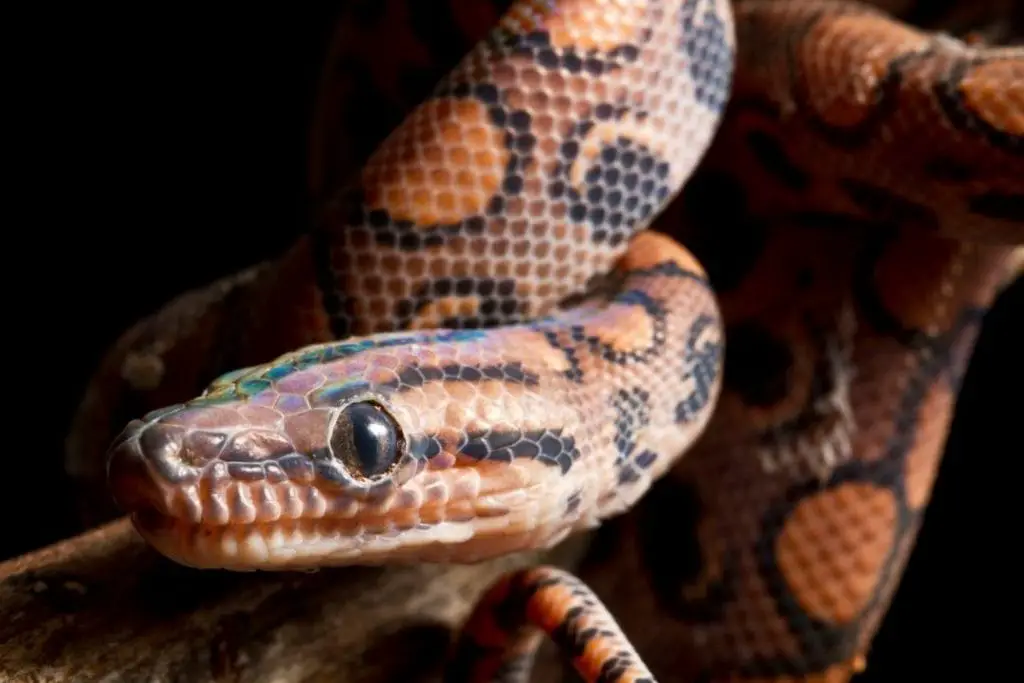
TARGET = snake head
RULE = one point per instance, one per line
(426, 447)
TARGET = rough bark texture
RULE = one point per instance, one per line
(105, 607)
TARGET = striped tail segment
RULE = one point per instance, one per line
(502, 635)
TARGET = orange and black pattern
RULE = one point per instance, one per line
(467, 412)
(505, 355)
(501, 636)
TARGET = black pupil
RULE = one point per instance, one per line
(372, 439)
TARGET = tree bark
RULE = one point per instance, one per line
(104, 607)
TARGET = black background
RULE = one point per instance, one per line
(161, 146)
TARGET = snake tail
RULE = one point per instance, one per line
(510, 620)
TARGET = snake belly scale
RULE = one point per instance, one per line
(474, 402)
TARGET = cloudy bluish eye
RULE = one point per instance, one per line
(366, 439)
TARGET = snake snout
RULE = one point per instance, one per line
(128, 478)
(144, 461)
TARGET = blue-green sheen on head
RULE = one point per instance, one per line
(248, 382)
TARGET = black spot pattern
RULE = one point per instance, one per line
(621, 187)
(347, 217)
(550, 447)
(537, 47)
(545, 446)
(823, 644)
(701, 366)
(497, 302)
(632, 413)
(705, 41)
(413, 376)
(519, 141)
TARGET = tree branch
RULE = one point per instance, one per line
(105, 607)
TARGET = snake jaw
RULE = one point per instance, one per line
(447, 510)
(360, 452)
(462, 529)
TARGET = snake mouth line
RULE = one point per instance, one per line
(244, 504)
(450, 508)
(304, 535)
(464, 513)
(312, 542)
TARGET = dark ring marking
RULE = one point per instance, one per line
(536, 46)
(596, 347)
(413, 376)
(572, 635)
(546, 446)
(951, 99)
(869, 300)
(621, 188)
(552, 331)
(702, 366)
(824, 644)
(712, 61)
(498, 301)
(632, 410)
(406, 235)
(350, 212)
(885, 100)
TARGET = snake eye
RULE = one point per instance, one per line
(366, 439)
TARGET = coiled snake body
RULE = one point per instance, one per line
(475, 404)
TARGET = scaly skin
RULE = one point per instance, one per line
(872, 155)
(453, 445)
(549, 146)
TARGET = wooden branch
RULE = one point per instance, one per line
(104, 607)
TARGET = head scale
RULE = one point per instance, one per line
(429, 446)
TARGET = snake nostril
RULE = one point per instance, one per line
(161, 442)
(163, 447)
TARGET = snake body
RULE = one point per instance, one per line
(463, 402)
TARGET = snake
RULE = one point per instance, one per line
(510, 343)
